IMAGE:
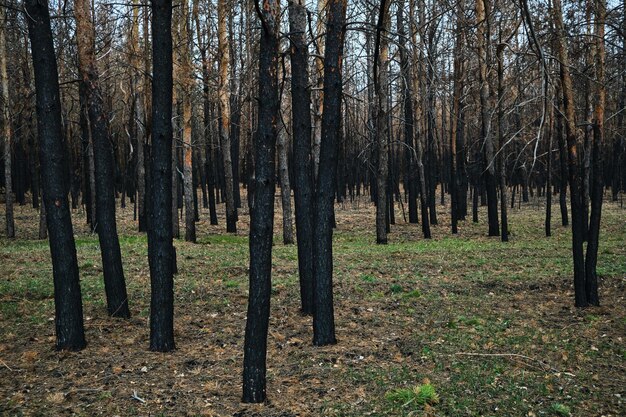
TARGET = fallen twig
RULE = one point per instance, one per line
(6, 366)
(138, 398)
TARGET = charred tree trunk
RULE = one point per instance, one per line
(486, 135)
(597, 183)
(574, 164)
(454, 120)
(70, 333)
(114, 282)
(303, 170)
(504, 236)
(160, 246)
(323, 311)
(381, 79)
(262, 215)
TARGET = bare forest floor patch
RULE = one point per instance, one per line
(490, 325)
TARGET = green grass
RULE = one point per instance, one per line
(489, 325)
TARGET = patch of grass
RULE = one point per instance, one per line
(368, 278)
(415, 397)
(561, 410)
(396, 288)
(412, 294)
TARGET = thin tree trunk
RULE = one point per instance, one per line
(407, 97)
(70, 333)
(114, 282)
(206, 108)
(7, 123)
(187, 87)
(548, 221)
(285, 189)
(486, 135)
(262, 215)
(574, 165)
(381, 58)
(597, 192)
(454, 118)
(160, 247)
(301, 120)
(504, 236)
(224, 102)
(319, 85)
(323, 311)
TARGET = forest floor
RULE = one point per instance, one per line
(490, 325)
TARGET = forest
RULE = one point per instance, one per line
(313, 208)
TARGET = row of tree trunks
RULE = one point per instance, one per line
(585, 280)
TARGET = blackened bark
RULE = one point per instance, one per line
(482, 16)
(575, 181)
(114, 282)
(563, 173)
(454, 120)
(160, 247)
(301, 116)
(262, 215)
(597, 190)
(548, 220)
(381, 55)
(323, 315)
(501, 159)
(67, 298)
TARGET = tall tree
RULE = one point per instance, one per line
(139, 119)
(323, 309)
(7, 131)
(262, 215)
(597, 183)
(187, 77)
(206, 112)
(381, 78)
(160, 247)
(70, 334)
(114, 282)
(224, 105)
(482, 35)
(455, 116)
(301, 121)
(574, 164)
(407, 101)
